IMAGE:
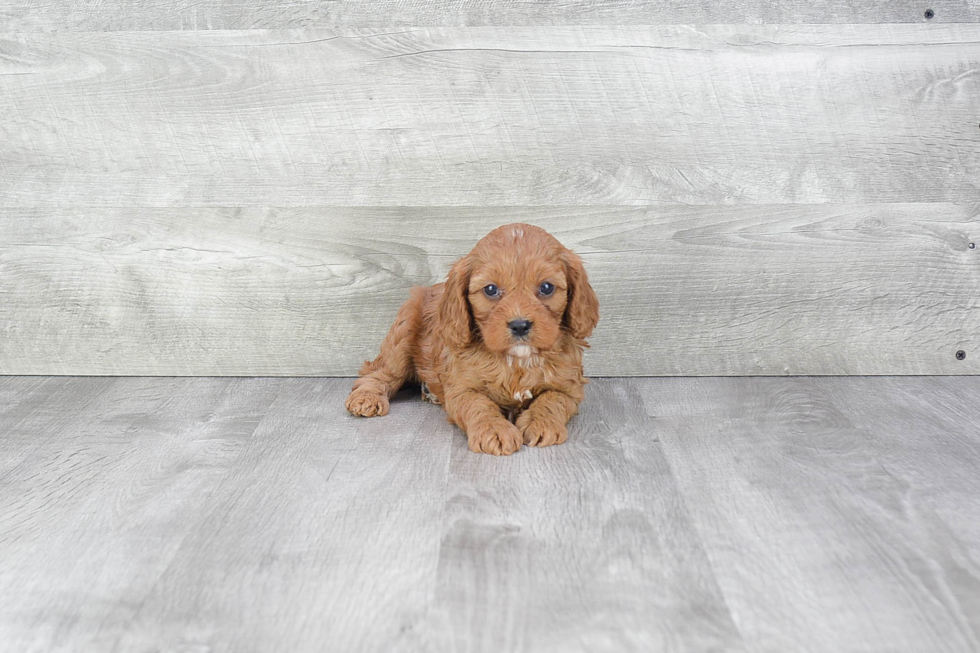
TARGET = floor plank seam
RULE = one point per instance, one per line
(689, 516)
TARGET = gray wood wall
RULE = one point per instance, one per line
(246, 188)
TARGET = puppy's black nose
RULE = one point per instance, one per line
(519, 327)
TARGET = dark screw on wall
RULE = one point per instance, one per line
(960, 355)
(929, 14)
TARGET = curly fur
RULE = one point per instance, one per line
(502, 390)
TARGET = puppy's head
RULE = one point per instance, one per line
(516, 292)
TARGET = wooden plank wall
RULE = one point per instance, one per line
(244, 188)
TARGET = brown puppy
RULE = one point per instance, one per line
(499, 344)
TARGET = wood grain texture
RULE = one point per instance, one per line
(822, 289)
(100, 485)
(478, 116)
(165, 516)
(325, 537)
(580, 547)
(825, 515)
(32, 405)
(925, 436)
(809, 503)
(100, 15)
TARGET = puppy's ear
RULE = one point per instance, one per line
(454, 306)
(582, 311)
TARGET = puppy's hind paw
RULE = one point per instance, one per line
(367, 403)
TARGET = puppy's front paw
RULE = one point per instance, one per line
(537, 432)
(367, 402)
(499, 437)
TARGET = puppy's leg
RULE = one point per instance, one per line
(486, 429)
(382, 377)
(543, 423)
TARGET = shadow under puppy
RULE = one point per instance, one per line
(499, 344)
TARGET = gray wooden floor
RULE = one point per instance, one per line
(229, 514)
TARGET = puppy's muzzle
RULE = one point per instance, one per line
(519, 328)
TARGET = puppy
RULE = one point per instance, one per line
(499, 344)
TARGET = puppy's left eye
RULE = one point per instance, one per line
(546, 288)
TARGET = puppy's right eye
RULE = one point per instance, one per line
(491, 291)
